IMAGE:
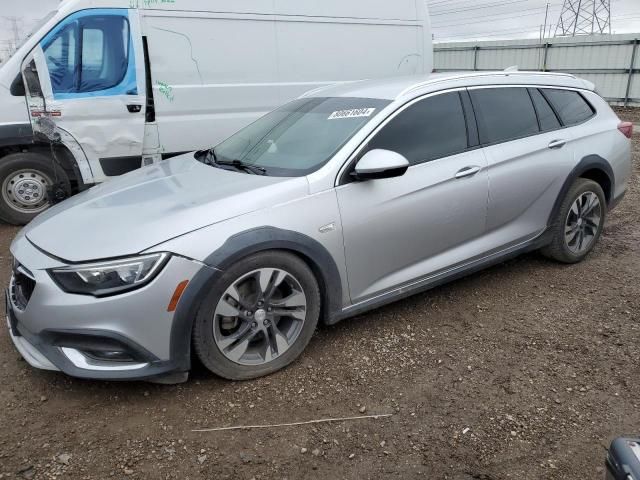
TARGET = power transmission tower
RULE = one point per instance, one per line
(584, 17)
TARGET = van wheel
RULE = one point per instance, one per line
(259, 317)
(24, 180)
(579, 223)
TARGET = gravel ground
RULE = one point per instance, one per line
(527, 370)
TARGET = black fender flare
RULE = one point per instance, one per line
(590, 162)
(234, 249)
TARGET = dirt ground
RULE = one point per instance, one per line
(629, 114)
(526, 371)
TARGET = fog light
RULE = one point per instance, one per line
(112, 356)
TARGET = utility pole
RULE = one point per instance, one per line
(584, 17)
(546, 16)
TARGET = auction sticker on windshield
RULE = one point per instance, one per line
(353, 113)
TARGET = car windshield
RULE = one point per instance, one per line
(300, 137)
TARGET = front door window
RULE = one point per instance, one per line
(90, 55)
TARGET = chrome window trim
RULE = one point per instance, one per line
(547, 87)
(347, 164)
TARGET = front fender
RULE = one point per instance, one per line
(242, 245)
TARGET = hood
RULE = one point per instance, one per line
(149, 206)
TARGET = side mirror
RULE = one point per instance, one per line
(17, 87)
(378, 164)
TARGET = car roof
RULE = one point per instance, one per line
(413, 86)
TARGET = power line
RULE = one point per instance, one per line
(537, 12)
(495, 33)
(503, 32)
(619, 17)
(477, 7)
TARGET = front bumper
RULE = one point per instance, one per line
(62, 332)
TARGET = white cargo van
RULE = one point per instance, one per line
(118, 84)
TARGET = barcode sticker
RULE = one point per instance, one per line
(353, 113)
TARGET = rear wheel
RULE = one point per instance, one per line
(24, 180)
(579, 222)
(259, 317)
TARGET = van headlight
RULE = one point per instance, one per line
(110, 278)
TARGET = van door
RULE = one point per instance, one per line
(94, 86)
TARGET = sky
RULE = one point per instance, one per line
(468, 20)
(452, 20)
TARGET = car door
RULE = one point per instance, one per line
(92, 80)
(400, 230)
(529, 157)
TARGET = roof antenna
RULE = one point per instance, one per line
(513, 68)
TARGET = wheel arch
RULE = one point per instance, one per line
(64, 156)
(243, 245)
(592, 167)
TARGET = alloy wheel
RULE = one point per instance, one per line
(260, 316)
(583, 222)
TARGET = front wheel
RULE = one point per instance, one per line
(259, 317)
(24, 180)
(578, 223)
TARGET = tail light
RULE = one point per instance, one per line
(626, 128)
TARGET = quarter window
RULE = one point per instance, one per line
(571, 107)
(90, 54)
(546, 116)
(430, 129)
(504, 114)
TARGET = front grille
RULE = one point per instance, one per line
(22, 286)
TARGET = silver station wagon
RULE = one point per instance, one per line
(348, 198)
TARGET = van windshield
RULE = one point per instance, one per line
(300, 137)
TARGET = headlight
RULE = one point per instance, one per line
(109, 278)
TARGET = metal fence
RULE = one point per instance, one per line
(611, 62)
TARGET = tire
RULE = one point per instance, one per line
(571, 218)
(238, 341)
(32, 170)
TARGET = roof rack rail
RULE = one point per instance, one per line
(498, 73)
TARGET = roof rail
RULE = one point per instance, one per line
(505, 73)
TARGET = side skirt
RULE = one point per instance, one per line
(442, 277)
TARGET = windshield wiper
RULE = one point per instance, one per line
(240, 165)
(209, 158)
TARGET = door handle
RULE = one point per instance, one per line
(134, 108)
(557, 144)
(468, 172)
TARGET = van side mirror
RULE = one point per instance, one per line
(17, 87)
(377, 164)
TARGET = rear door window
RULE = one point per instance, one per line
(546, 116)
(570, 106)
(427, 130)
(504, 114)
